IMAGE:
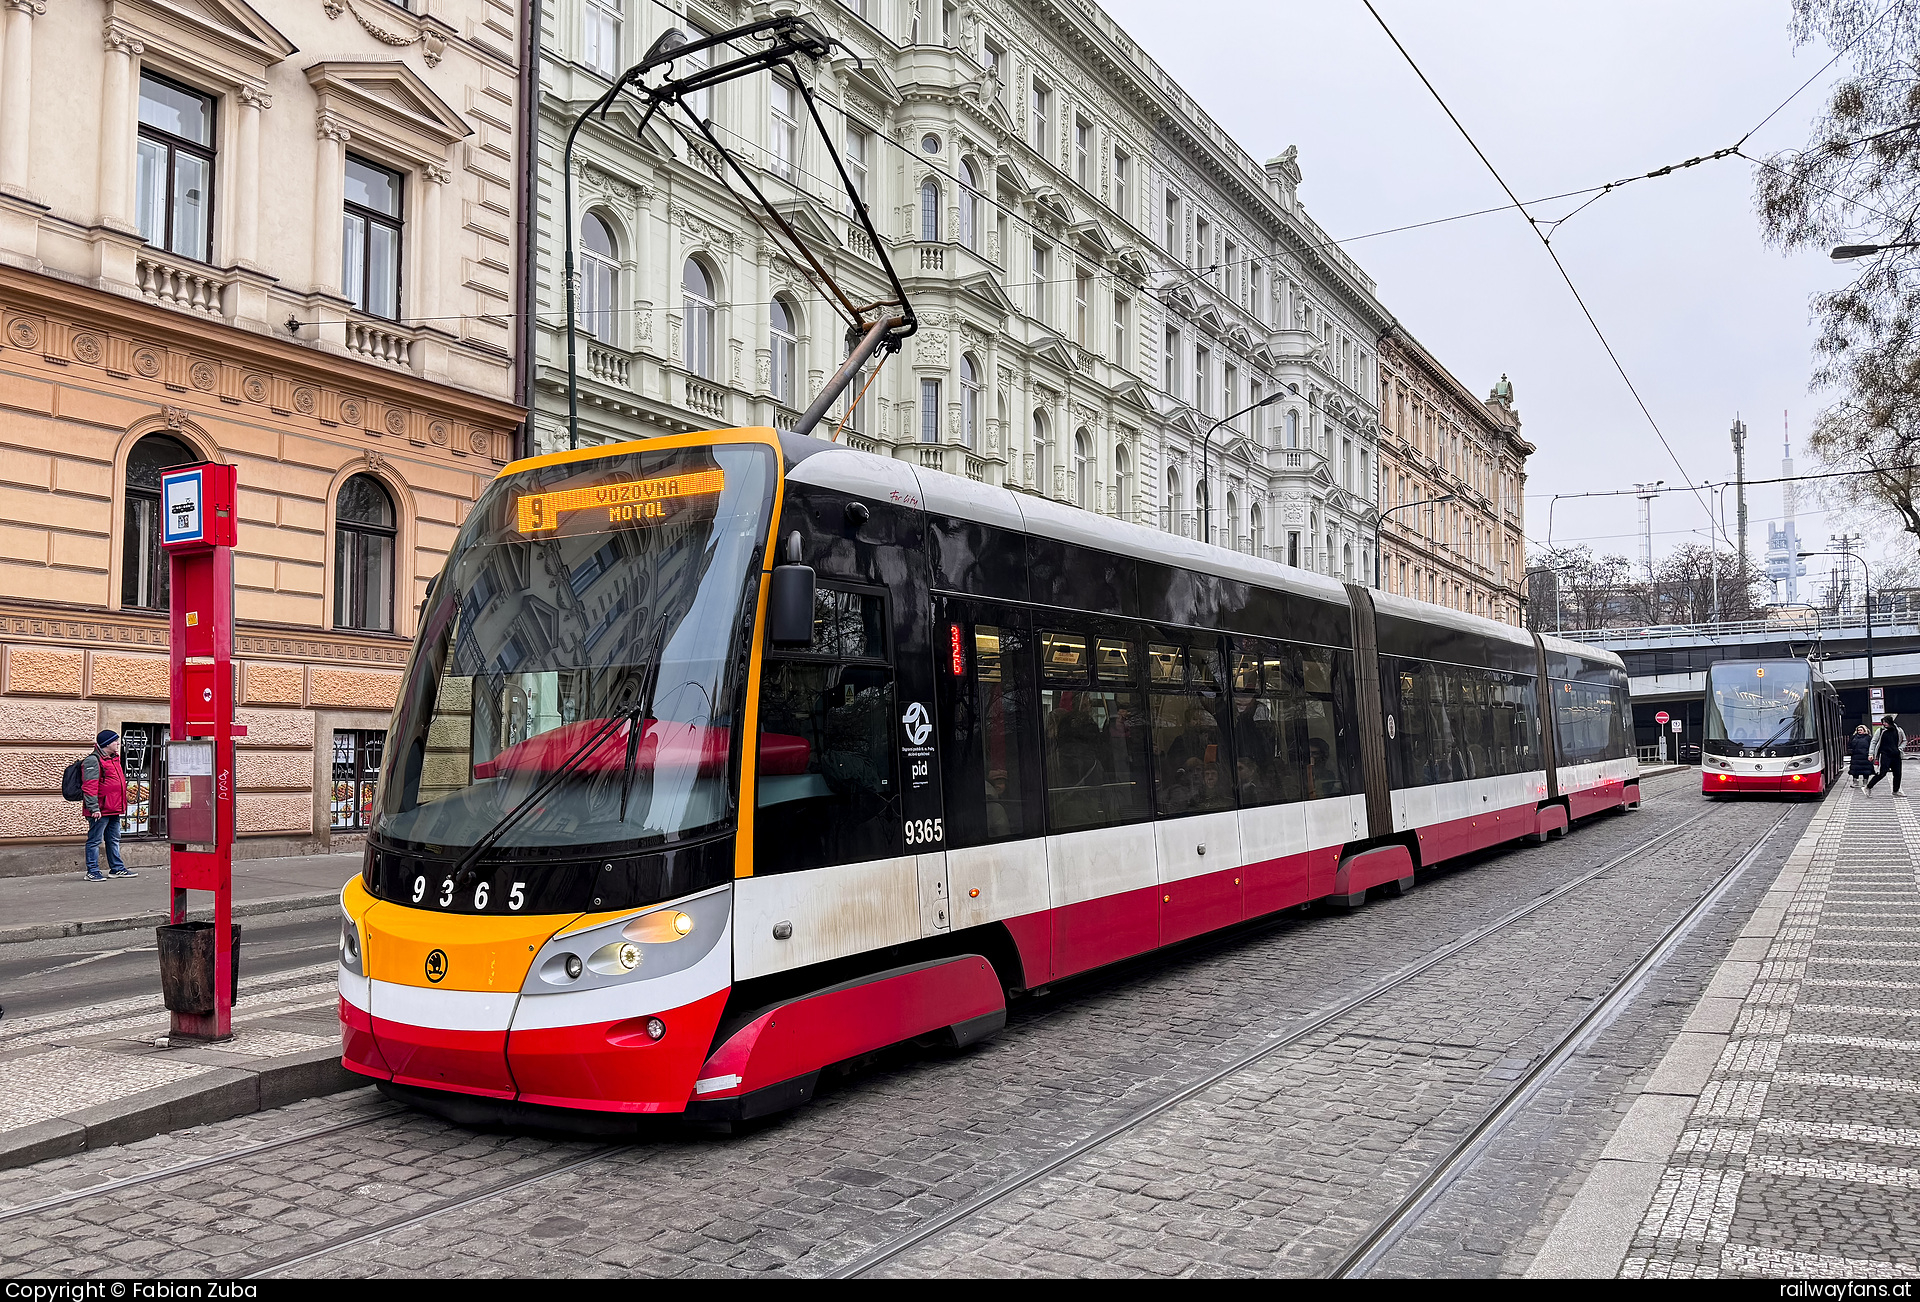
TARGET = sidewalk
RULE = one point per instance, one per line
(40, 908)
(1780, 1135)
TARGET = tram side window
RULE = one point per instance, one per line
(1286, 723)
(991, 762)
(1586, 722)
(1190, 755)
(1094, 730)
(826, 791)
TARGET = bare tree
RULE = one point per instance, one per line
(1591, 591)
(1858, 181)
(1686, 581)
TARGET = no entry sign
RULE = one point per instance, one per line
(1661, 717)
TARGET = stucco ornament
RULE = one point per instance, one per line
(431, 43)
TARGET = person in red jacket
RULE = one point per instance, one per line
(103, 784)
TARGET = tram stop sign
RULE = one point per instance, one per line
(1661, 717)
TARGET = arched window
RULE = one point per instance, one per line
(1293, 429)
(969, 232)
(599, 275)
(1233, 520)
(1041, 478)
(969, 403)
(1082, 475)
(1122, 484)
(696, 294)
(1256, 532)
(143, 572)
(785, 346)
(363, 556)
(929, 211)
(1170, 512)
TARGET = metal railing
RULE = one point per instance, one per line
(1812, 624)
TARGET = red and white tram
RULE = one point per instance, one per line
(996, 742)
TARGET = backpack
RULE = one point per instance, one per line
(71, 779)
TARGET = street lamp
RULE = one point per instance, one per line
(1526, 587)
(1848, 252)
(1837, 551)
(1206, 446)
(1381, 515)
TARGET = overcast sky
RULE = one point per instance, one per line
(1706, 319)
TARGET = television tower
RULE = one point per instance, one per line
(1740, 487)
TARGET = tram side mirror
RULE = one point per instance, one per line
(790, 605)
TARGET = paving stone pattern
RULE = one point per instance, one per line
(1802, 1155)
(1271, 1172)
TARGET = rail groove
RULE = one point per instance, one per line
(886, 1252)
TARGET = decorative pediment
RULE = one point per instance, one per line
(1132, 263)
(227, 38)
(1052, 348)
(1264, 356)
(1011, 175)
(871, 77)
(986, 289)
(1208, 318)
(1240, 337)
(1092, 237)
(1055, 205)
(390, 102)
(1187, 420)
(804, 216)
(1132, 390)
(1180, 298)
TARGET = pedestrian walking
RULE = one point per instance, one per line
(103, 786)
(1891, 740)
(1860, 756)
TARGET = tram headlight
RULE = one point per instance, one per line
(667, 938)
(661, 927)
(616, 959)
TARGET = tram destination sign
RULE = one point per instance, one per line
(626, 501)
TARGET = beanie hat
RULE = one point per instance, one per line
(106, 738)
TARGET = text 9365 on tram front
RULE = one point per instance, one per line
(723, 758)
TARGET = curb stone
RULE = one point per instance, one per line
(1592, 1236)
(136, 921)
(217, 1095)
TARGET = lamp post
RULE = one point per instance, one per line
(1381, 515)
(1848, 252)
(1836, 551)
(1206, 446)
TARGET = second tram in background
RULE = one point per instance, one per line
(1772, 725)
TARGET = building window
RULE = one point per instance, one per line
(1293, 548)
(785, 347)
(969, 232)
(1082, 480)
(1040, 282)
(1122, 326)
(700, 101)
(993, 59)
(784, 129)
(174, 192)
(1169, 361)
(356, 772)
(929, 411)
(1038, 106)
(1293, 429)
(1229, 388)
(929, 211)
(696, 298)
(1230, 271)
(857, 162)
(1173, 225)
(1254, 301)
(370, 253)
(1083, 153)
(1122, 479)
(599, 275)
(1203, 245)
(1202, 366)
(143, 571)
(969, 403)
(143, 754)
(1082, 290)
(363, 535)
(1170, 510)
(602, 36)
(1122, 184)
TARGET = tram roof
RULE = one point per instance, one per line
(1599, 655)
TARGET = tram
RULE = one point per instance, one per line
(1771, 725)
(724, 758)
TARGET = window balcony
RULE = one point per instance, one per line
(609, 366)
(181, 283)
(705, 397)
(381, 342)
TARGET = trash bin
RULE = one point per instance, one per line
(186, 967)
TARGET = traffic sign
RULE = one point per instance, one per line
(1661, 717)
(1676, 725)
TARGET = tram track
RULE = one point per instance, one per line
(1389, 1228)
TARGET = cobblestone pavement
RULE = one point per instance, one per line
(1275, 1170)
(1802, 1155)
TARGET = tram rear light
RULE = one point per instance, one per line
(1794, 778)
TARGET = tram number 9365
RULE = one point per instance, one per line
(516, 897)
(926, 831)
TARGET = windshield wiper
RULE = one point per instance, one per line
(1784, 725)
(630, 716)
(640, 713)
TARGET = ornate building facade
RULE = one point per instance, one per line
(1437, 441)
(287, 244)
(1101, 274)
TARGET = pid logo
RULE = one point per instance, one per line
(917, 723)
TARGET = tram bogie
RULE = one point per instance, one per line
(633, 854)
(1773, 727)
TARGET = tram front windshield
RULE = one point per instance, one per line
(580, 659)
(1755, 709)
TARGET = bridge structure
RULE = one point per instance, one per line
(1667, 664)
